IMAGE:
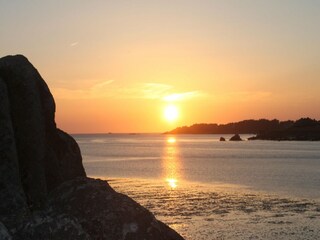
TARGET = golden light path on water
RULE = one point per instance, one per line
(171, 163)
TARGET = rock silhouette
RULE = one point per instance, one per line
(236, 137)
(45, 193)
(304, 129)
(243, 127)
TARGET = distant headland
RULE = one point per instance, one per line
(304, 129)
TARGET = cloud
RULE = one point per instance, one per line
(74, 44)
(139, 91)
(155, 90)
(101, 85)
(158, 91)
(106, 89)
(96, 91)
(182, 96)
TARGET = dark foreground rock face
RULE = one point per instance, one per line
(37, 146)
(44, 191)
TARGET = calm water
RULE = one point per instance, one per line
(208, 190)
(290, 168)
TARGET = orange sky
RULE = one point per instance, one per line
(113, 66)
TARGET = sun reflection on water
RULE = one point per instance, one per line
(171, 140)
(172, 182)
(171, 163)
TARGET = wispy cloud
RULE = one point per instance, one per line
(158, 91)
(155, 90)
(102, 85)
(107, 89)
(182, 96)
(139, 91)
(74, 44)
(96, 91)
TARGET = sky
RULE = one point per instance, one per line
(151, 66)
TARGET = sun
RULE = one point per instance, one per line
(171, 113)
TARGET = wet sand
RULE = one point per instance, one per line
(217, 211)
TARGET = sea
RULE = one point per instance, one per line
(209, 189)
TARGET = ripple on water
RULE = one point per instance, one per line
(208, 212)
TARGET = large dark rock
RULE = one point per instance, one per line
(44, 192)
(105, 214)
(46, 157)
(12, 197)
(50, 225)
(4, 234)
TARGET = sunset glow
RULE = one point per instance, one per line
(171, 113)
(216, 61)
(168, 119)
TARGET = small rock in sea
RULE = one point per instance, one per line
(236, 137)
(222, 139)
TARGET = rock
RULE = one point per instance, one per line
(222, 139)
(53, 226)
(112, 216)
(236, 137)
(38, 143)
(44, 191)
(4, 235)
(12, 198)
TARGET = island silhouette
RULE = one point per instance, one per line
(304, 129)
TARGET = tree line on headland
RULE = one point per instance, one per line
(302, 129)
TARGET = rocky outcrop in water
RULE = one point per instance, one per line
(44, 191)
(235, 137)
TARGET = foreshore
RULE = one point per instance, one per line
(202, 211)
